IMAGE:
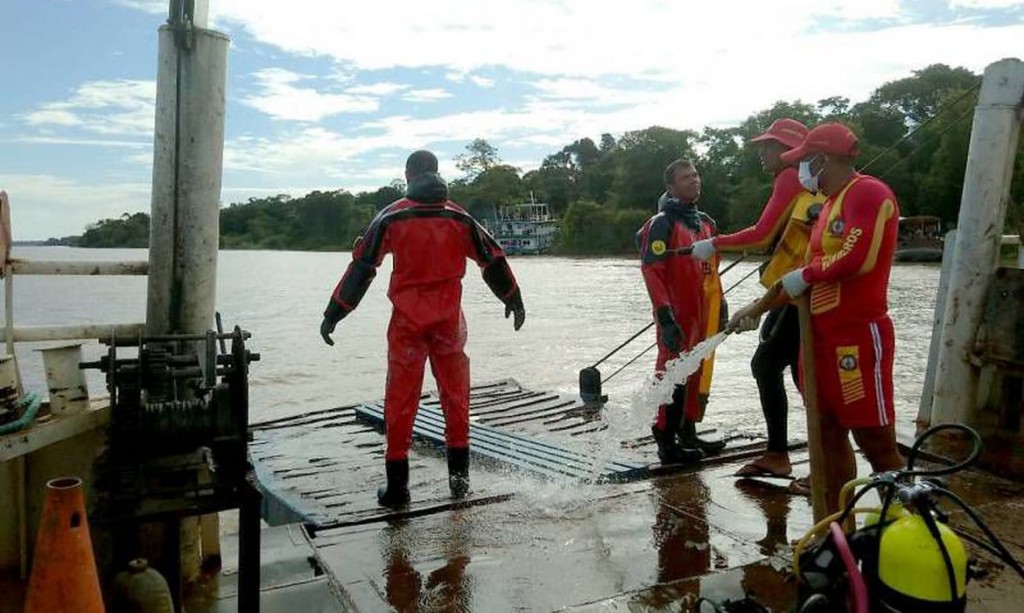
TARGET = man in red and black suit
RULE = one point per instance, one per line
(687, 298)
(429, 238)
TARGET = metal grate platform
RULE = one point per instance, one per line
(515, 450)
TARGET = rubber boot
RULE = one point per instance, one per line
(458, 471)
(396, 492)
(669, 451)
(688, 438)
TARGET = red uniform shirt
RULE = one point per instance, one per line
(850, 253)
(762, 235)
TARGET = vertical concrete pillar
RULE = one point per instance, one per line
(187, 164)
(983, 206)
(188, 148)
(924, 407)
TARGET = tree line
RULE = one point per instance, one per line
(914, 135)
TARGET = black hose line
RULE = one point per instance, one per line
(912, 454)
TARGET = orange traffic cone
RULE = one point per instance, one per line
(64, 576)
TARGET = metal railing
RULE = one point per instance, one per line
(9, 267)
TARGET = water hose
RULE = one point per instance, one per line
(845, 492)
(32, 401)
(821, 526)
(681, 251)
(857, 585)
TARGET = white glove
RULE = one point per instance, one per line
(703, 250)
(793, 283)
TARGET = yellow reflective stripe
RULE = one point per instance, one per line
(884, 214)
(789, 254)
(712, 287)
(824, 297)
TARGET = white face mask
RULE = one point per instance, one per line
(807, 180)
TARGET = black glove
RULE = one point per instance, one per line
(669, 333)
(723, 315)
(332, 315)
(514, 305)
(326, 329)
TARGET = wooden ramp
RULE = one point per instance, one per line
(515, 450)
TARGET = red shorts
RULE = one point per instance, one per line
(853, 370)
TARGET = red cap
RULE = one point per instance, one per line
(830, 138)
(789, 132)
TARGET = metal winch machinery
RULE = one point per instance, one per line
(178, 446)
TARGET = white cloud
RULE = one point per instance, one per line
(91, 142)
(570, 37)
(377, 89)
(149, 6)
(481, 81)
(44, 206)
(53, 117)
(426, 95)
(985, 4)
(116, 107)
(787, 49)
(281, 99)
(586, 67)
(308, 152)
(590, 93)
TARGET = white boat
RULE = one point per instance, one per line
(524, 229)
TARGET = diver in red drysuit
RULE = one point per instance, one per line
(429, 238)
(687, 298)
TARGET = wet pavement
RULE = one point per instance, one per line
(653, 545)
(524, 542)
(650, 545)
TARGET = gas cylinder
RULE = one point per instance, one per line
(140, 589)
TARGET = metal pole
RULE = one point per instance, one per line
(249, 546)
(983, 206)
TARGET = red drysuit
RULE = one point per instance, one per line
(429, 238)
(690, 287)
(849, 261)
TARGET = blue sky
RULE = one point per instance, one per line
(332, 94)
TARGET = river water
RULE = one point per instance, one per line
(577, 311)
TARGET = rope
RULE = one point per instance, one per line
(640, 355)
(628, 341)
(648, 326)
(920, 126)
(33, 401)
(947, 128)
(745, 277)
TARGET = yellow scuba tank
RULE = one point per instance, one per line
(895, 512)
(912, 573)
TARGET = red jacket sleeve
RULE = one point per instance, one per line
(367, 255)
(779, 207)
(653, 241)
(867, 209)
